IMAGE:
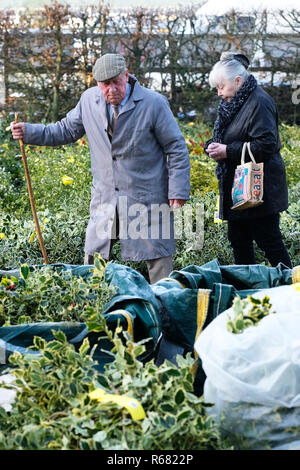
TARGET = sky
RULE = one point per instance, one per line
(211, 6)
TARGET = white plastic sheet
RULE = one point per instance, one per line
(253, 378)
(7, 396)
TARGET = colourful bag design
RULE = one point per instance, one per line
(247, 188)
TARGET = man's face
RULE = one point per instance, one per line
(114, 90)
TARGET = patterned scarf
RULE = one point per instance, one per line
(226, 112)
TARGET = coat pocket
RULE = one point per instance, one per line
(144, 142)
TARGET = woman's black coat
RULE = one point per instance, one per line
(257, 123)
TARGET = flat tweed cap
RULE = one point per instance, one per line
(108, 66)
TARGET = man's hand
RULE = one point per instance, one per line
(176, 203)
(217, 151)
(17, 130)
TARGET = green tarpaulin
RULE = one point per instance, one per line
(177, 308)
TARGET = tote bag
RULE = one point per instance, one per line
(247, 188)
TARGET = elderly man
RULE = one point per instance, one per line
(139, 162)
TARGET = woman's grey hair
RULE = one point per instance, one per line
(229, 67)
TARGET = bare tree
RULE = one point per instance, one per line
(47, 56)
(89, 28)
(41, 58)
(8, 42)
(134, 31)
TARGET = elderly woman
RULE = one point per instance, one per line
(246, 113)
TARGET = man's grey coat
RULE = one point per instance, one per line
(146, 163)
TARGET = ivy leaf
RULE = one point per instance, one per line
(184, 415)
(73, 388)
(179, 397)
(60, 336)
(100, 436)
(85, 347)
(25, 271)
(39, 343)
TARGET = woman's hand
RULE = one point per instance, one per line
(217, 151)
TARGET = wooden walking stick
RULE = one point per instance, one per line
(37, 226)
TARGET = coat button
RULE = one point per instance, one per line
(117, 189)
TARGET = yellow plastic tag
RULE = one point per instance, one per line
(296, 274)
(217, 220)
(296, 286)
(131, 404)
